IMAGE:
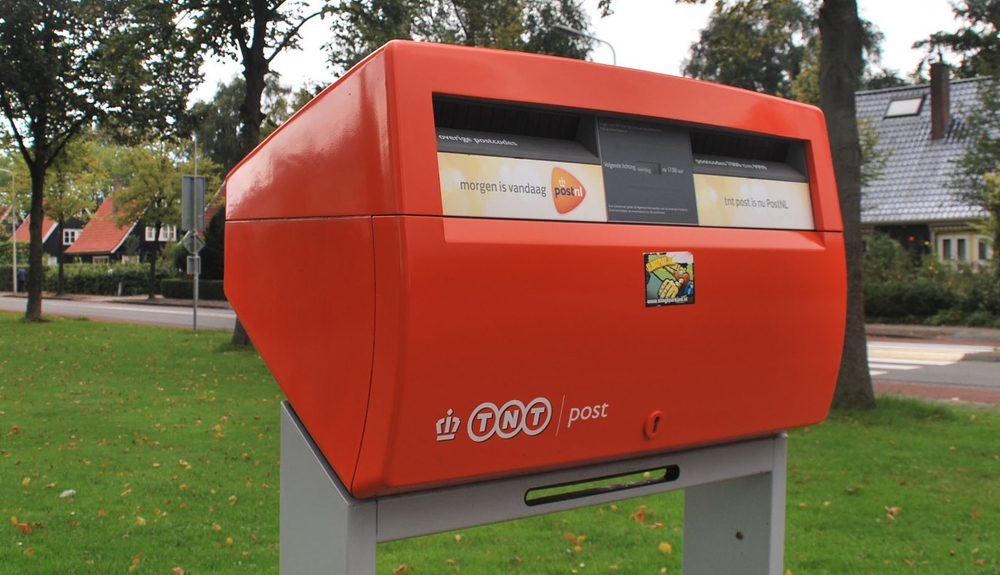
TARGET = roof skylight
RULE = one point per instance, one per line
(904, 107)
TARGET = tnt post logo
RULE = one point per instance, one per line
(506, 421)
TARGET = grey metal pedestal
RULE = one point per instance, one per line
(734, 506)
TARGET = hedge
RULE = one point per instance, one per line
(184, 289)
(96, 279)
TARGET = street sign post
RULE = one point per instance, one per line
(193, 244)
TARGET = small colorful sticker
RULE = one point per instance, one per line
(669, 278)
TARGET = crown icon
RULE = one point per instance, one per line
(447, 426)
(562, 182)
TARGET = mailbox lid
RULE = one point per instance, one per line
(367, 145)
(481, 314)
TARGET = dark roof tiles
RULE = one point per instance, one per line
(914, 185)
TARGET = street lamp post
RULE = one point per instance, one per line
(13, 234)
(570, 31)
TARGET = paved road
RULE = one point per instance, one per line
(962, 372)
(129, 312)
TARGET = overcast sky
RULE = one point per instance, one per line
(652, 35)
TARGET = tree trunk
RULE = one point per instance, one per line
(240, 335)
(59, 282)
(840, 64)
(152, 262)
(36, 274)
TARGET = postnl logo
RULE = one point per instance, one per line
(567, 191)
(509, 419)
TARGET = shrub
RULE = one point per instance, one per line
(104, 279)
(184, 289)
(908, 299)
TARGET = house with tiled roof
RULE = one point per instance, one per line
(921, 134)
(53, 239)
(102, 241)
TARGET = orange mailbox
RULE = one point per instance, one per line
(462, 264)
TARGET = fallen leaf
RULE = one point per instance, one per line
(570, 537)
(827, 504)
(578, 548)
(893, 511)
(975, 513)
(29, 551)
(49, 486)
(399, 570)
(102, 513)
(139, 521)
(640, 514)
(13, 520)
(26, 481)
(229, 540)
(24, 527)
(980, 562)
(908, 563)
(458, 539)
(450, 561)
(177, 571)
(216, 527)
(665, 547)
(614, 509)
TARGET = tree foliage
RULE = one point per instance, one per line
(976, 42)
(71, 63)
(216, 123)
(69, 192)
(772, 46)
(252, 33)
(757, 45)
(975, 176)
(361, 26)
(152, 195)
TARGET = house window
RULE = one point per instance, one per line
(904, 107)
(963, 247)
(167, 234)
(102, 259)
(69, 236)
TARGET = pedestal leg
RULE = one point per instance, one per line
(323, 529)
(737, 526)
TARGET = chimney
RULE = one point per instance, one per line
(940, 104)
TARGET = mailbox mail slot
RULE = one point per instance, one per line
(462, 264)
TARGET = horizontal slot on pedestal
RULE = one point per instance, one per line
(598, 486)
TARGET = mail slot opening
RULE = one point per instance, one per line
(610, 484)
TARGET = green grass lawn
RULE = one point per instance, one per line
(152, 450)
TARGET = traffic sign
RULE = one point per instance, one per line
(193, 203)
(192, 243)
